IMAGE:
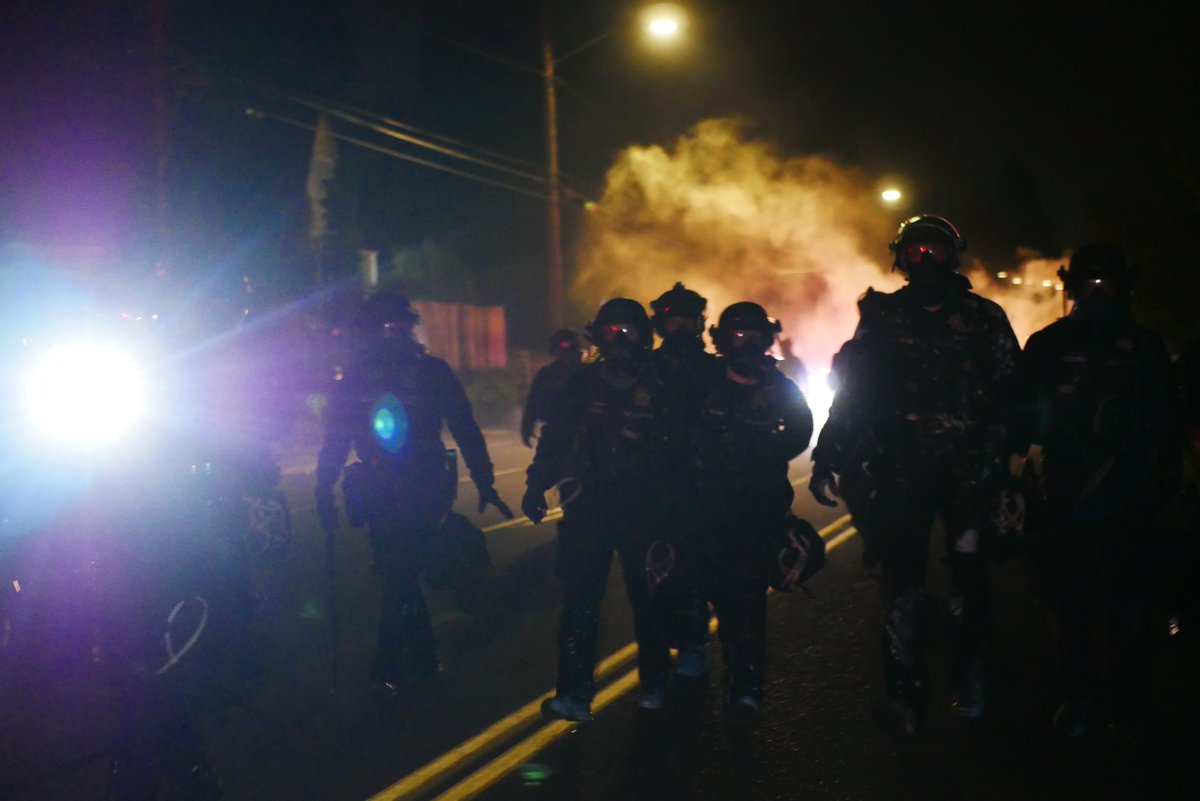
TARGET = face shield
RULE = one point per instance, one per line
(619, 332)
(925, 261)
(749, 341)
(1093, 287)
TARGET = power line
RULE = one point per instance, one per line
(386, 130)
(448, 139)
(508, 62)
(259, 113)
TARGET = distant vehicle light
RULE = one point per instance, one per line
(85, 394)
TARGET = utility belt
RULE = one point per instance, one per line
(369, 486)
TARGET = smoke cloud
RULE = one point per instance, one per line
(734, 220)
(1032, 295)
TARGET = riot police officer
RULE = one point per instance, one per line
(917, 431)
(390, 406)
(606, 447)
(753, 420)
(683, 366)
(1101, 410)
(548, 382)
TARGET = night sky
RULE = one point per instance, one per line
(1040, 125)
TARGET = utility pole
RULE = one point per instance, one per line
(160, 119)
(554, 259)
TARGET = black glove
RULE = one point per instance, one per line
(489, 497)
(534, 505)
(823, 485)
(327, 511)
(527, 437)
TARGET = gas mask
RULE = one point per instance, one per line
(928, 267)
(747, 351)
(1101, 299)
(620, 342)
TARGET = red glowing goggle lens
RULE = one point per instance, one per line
(614, 331)
(920, 251)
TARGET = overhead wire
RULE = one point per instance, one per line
(396, 129)
(323, 103)
(255, 112)
(389, 131)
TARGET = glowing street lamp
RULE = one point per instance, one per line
(891, 195)
(662, 22)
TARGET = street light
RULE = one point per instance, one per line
(662, 21)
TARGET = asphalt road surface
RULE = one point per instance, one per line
(474, 730)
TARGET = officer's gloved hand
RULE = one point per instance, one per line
(527, 437)
(489, 497)
(823, 485)
(327, 511)
(534, 505)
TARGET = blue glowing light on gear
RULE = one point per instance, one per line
(389, 423)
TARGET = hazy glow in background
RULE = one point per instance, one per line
(734, 220)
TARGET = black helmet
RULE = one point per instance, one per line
(795, 553)
(562, 340)
(624, 313)
(926, 229)
(1097, 262)
(678, 301)
(744, 318)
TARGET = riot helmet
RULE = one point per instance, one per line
(744, 328)
(927, 243)
(679, 310)
(621, 328)
(1097, 270)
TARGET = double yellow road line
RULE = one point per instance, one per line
(419, 782)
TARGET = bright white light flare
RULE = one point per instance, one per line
(85, 395)
(663, 20)
(890, 195)
(663, 27)
(819, 395)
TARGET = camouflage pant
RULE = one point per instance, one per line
(907, 501)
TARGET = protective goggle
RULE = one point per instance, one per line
(741, 338)
(1098, 286)
(391, 328)
(611, 332)
(919, 252)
